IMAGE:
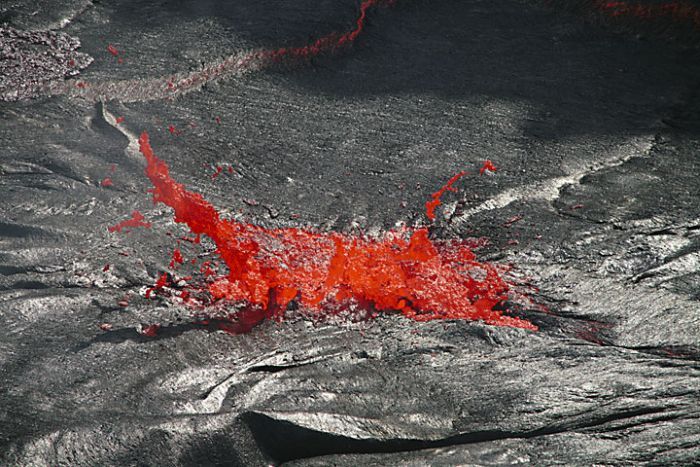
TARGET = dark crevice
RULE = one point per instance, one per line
(173, 330)
(13, 230)
(282, 441)
(288, 366)
(26, 285)
(679, 352)
(661, 232)
(432, 350)
(118, 336)
(274, 368)
(652, 420)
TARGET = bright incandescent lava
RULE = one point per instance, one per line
(403, 271)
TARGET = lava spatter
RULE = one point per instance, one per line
(487, 167)
(435, 201)
(136, 220)
(403, 270)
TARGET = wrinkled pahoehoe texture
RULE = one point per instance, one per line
(590, 111)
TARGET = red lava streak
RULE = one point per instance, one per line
(488, 165)
(137, 220)
(403, 270)
(177, 258)
(331, 41)
(435, 201)
(161, 283)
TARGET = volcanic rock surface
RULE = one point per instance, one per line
(591, 115)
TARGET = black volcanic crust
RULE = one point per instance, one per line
(593, 121)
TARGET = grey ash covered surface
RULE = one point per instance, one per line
(593, 123)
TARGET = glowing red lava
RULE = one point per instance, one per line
(162, 282)
(403, 271)
(435, 201)
(177, 258)
(488, 165)
(331, 41)
(137, 220)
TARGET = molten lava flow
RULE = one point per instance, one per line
(404, 270)
(435, 201)
(137, 220)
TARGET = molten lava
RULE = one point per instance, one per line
(137, 220)
(435, 201)
(403, 271)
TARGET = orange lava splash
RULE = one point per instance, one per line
(402, 271)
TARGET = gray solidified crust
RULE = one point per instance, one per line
(31, 60)
(596, 136)
(42, 16)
